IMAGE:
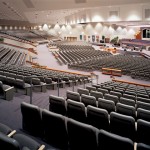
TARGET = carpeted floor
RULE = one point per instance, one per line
(10, 113)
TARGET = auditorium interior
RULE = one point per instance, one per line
(75, 74)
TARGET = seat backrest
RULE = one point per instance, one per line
(76, 110)
(83, 91)
(106, 104)
(125, 109)
(107, 141)
(88, 100)
(8, 143)
(143, 131)
(143, 105)
(132, 97)
(81, 136)
(143, 114)
(145, 100)
(57, 104)
(55, 131)
(104, 91)
(96, 94)
(73, 96)
(97, 117)
(48, 80)
(31, 118)
(116, 94)
(36, 81)
(127, 101)
(130, 92)
(111, 97)
(91, 88)
(122, 125)
(142, 146)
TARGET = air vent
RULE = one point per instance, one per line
(113, 13)
(28, 3)
(80, 1)
(147, 13)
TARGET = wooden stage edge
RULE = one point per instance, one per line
(131, 83)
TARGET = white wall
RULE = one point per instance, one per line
(98, 29)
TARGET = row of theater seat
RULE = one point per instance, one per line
(66, 133)
(137, 113)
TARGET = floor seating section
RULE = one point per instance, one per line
(117, 131)
(135, 66)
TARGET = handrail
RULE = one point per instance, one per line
(131, 82)
(44, 67)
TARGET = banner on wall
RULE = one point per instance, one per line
(93, 38)
(84, 37)
(97, 39)
(80, 37)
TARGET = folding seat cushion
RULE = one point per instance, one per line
(107, 141)
(127, 101)
(143, 105)
(96, 94)
(118, 94)
(97, 117)
(125, 109)
(132, 97)
(142, 146)
(91, 88)
(96, 85)
(111, 97)
(83, 91)
(88, 100)
(73, 96)
(145, 100)
(122, 125)
(57, 104)
(143, 131)
(76, 110)
(31, 119)
(55, 131)
(106, 104)
(143, 114)
(104, 91)
(81, 136)
(18, 142)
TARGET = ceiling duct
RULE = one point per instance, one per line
(28, 3)
(80, 1)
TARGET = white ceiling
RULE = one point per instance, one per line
(52, 11)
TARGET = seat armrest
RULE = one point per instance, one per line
(41, 147)
(8, 89)
(11, 133)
